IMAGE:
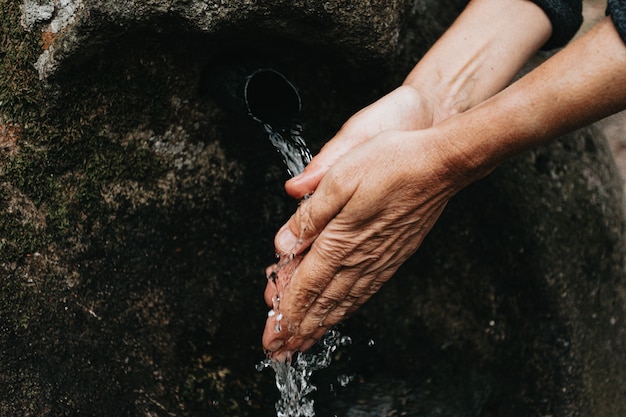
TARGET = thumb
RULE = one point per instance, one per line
(307, 181)
(286, 241)
(311, 217)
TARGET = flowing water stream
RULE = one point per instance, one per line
(290, 144)
(293, 378)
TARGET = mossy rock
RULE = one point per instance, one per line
(137, 216)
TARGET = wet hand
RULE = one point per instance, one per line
(369, 213)
(405, 108)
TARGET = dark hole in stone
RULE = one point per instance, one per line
(271, 98)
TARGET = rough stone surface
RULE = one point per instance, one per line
(364, 31)
(137, 216)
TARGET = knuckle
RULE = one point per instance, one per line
(323, 305)
(350, 299)
(306, 224)
(307, 297)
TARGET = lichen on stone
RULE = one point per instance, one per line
(51, 17)
(56, 14)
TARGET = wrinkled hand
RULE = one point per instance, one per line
(370, 212)
(405, 108)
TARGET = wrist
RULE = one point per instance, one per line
(480, 54)
(475, 142)
(465, 157)
(546, 103)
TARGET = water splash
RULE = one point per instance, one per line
(293, 378)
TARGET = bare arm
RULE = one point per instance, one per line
(476, 57)
(374, 206)
(581, 84)
(480, 54)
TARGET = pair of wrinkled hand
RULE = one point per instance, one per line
(377, 194)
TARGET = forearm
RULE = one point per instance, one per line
(480, 53)
(583, 83)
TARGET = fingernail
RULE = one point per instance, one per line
(286, 240)
(284, 356)
(275, 345)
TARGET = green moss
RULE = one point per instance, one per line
(30, 172)
(21, 97)
(62, 161)
(18, 51)
(19, 240)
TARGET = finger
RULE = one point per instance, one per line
(302, 298)
(337, 303)
(282, 356)
(270, 288)
(276, 332)
(308, 344)
(312, 216)
(362, 291)
(283, 327)
(309, 281)
(270, 294)
(334, 295)
(371, 282)
(307, 181)
(346, 290)
(300, 343)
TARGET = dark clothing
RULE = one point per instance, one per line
(617, 11)
(566, 17)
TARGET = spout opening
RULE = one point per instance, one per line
(271, 98)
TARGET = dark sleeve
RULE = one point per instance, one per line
(617, 10)
(566, 17)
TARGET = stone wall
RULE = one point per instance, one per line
(137, 216)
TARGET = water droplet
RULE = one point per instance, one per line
(344, 380)
(371, 343)
(266, 363)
